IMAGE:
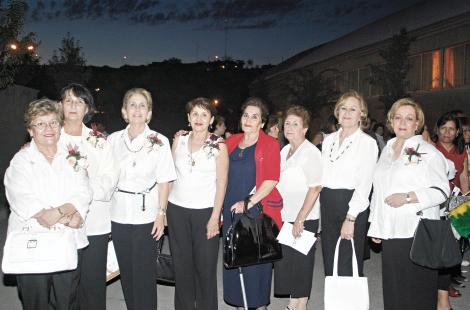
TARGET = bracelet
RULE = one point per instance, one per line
(162, 212)
(350, 220)
(60, 212)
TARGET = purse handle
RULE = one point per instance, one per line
(245, 207)
(354, 260)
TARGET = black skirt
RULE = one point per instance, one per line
(293, 274)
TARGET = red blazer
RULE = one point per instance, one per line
(268, 167)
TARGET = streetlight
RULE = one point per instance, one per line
(216, 102)
(20, 48)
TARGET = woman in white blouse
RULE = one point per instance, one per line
(194, 208)
(138, 207)
(407, 169)
(349, 157)
(78, 107)
(47, 188)
(299, 185)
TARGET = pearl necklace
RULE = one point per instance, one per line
(135, 152)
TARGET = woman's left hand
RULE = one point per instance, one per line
(158, 227)
(396, 200)
(212, 227)
(238, 207)
(347, 230)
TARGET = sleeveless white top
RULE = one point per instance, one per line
(195, 185)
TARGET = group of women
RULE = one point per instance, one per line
(133, 183)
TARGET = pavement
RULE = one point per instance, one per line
(115, 301)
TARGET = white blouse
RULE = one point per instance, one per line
(195, 185)
(350, 166)
(299, 173)
(33, 184)
(103, 174)
(142, 166)
(403, 176)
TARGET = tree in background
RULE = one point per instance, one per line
(314, 91)
(11, 23)
(68, 64)
(70, 53)
(390, 76)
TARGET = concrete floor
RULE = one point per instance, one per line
(9, 298)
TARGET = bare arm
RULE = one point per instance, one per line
(309, 202)
(221, 185)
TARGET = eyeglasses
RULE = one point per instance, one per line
(43, 125)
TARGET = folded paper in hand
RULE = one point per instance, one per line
(303, 244)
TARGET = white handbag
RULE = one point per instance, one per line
(351, 293)
(34, 251)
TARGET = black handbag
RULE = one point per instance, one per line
(165, 270)
(251, 240)
(434, 245)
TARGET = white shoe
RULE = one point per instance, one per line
(465, 263)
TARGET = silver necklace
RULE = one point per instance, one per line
(132, 151)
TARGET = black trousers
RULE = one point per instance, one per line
(293, 274)
(194, 258)
(406, 286)
(92, 286)
(47, 291)
(334, 207)
(136, 252)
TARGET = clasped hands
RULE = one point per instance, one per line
(49, 217)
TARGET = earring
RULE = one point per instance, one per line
(210, 127)
(189, 125)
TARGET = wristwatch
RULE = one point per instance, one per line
(408, 198)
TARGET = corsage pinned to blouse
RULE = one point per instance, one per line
(75, 158)
(413, 156)
(153, 143)
(96, 138)
(211, 146)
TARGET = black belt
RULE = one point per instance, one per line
(143, 193)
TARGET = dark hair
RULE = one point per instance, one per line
(259, 103)
(203, 103)
(83, 93)
(464, 121)
(459, 140)
(273, 120)
(219, 119)
(377, 125)
(331, 122)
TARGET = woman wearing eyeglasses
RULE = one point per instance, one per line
(47, 187)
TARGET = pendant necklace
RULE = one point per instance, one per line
(340, 154)
(135, 152)
(191, 161)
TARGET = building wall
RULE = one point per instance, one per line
(439, 77)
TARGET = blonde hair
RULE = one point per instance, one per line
(406, 102)
(40, 107)
(352, 94)
(139, 91)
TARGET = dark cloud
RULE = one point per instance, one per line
(237, 14)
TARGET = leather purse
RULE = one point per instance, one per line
(434, 245)
(251, 240)
(165, 269)
(39, 251)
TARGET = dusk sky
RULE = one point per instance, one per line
(266, 31)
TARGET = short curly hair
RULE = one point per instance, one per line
(301, 112)
(259, 103)
(40, 107)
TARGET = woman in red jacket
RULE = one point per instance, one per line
(254, 164)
